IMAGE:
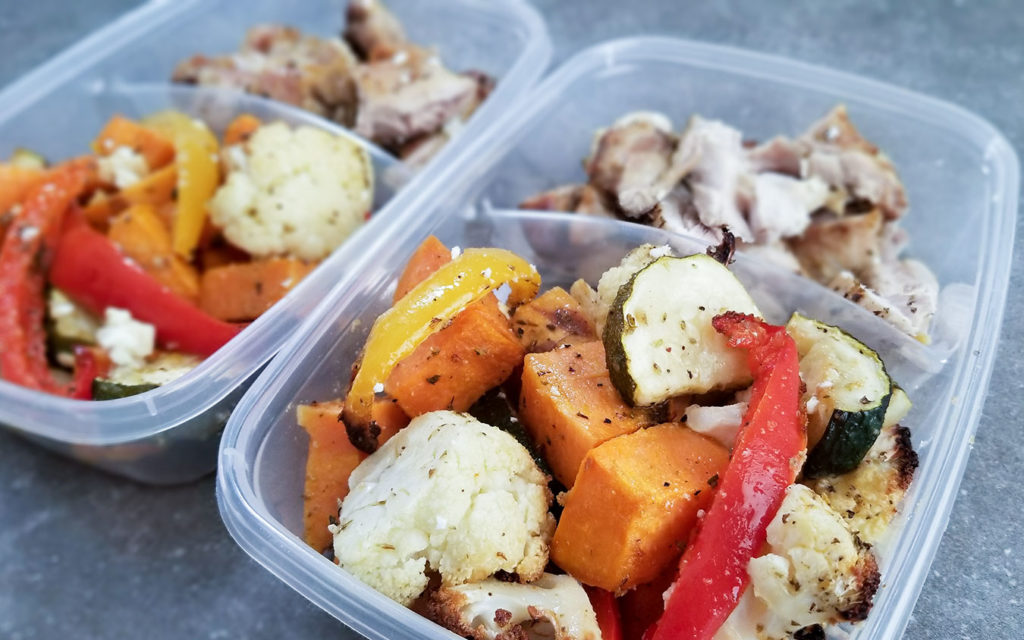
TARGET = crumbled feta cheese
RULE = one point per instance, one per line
(660, 252)
(378, 388)
(127, 341)
(124, 167)
(456, 251)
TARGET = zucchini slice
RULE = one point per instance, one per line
(899, 407)
(658, 337)
(848, 394)
(103, 389)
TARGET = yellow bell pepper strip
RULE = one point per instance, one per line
(198, 174)
(420, 313)
(25, 256)
(769, 450)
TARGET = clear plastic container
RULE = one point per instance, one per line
(962, 178)
(170, 434)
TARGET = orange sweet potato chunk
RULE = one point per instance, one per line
(243, 291)
(428, 258)
(122, 132)
(569, 406)
(550, 320)
(456, 365)
(634, 504)
(331, 460)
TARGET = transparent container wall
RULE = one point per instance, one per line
(962, 177)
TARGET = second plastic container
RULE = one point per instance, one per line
(962, 178)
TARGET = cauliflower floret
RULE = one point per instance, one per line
(292, 192)
(868, 497)
(816, 572)
(552, 608)
(127, 341)
(721, 423)
(449, 493)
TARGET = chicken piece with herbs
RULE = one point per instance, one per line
(825, 204)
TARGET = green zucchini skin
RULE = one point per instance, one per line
(659, 339)
(856, 419)
(103, 389)
(614, 351)
(848, 437)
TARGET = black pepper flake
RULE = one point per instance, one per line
(667, 484)
(580, 415)
(433, 379)
(607, 420)
(713, 481)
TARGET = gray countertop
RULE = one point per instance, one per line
(87, 555)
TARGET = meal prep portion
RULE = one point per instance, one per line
(121, 269)
(644, 459)
(373, 79)
(825, 204)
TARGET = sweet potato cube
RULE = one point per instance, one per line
(634, 504)
(569, 406)
(455, 366)
(430, 256)
(122, 132)
(331, 460)
(550, 320)
(238, 292)
(141, 235)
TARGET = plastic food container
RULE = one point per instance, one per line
(962, 178)
(170, 434)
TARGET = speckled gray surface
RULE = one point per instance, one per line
(86, 555)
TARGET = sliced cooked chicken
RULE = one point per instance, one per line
(844, 159)
(372, 31)
(677, 213)
(778, 155)
(280, 63)
(402, 100)
(908, 286)
(782, 205)
(715, 179)
(833, 244)
(564, 198)
(627, 161)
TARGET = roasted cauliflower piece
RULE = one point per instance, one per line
(293, 192)
(447, 494)
(555, 607)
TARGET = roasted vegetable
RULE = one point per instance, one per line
(452, 368)
(569, 406)
(331, 459)
(103, 389)
(243, 291)
(554, 318)
(847, 395)
(658, 335)
(634, 504)
(765, 459)
(424, 311)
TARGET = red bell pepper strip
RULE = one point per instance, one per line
(90, 363)
(766, 458)
(24, 259)
(607, 610)
(91, 271)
